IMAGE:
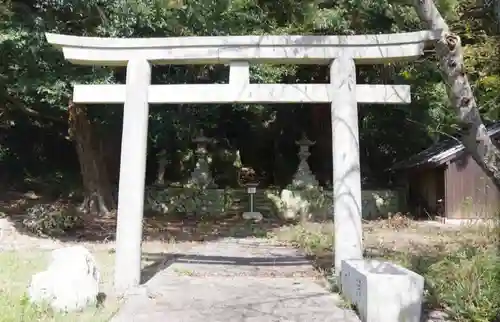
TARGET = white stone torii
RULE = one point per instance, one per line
(341, 52)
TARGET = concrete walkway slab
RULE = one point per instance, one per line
(235, 280)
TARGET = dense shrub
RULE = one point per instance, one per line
(52, 219)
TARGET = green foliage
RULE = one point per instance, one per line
(467, 284)
(195, 201)
(52, 219)
(36, 82)
(199, 201)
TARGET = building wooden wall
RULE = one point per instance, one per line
(469, 193)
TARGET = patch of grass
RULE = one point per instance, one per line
(314, 240)
(461, 265)
(15, 274)
(466, 282)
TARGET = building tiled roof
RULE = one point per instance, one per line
(440, 152)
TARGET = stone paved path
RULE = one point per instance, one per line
(233, 280)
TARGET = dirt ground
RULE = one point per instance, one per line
(411, 243)
(160, 234)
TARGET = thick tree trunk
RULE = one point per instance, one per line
(449, 51)
(98, 192)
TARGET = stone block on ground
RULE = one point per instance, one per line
(252, 215)
(382, 291)
(70, 283)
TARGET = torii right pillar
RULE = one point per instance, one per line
(346, 165)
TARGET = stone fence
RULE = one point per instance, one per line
(304, 199)
(312, 204)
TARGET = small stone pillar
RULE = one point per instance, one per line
(201, 176)
(303, 177)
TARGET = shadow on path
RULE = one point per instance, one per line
(233, 279)
(162, 261)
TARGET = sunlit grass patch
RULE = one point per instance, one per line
(16, 269)
(461, 265)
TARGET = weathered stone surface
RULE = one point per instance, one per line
(382, 291)
(194, 299)
(236, 280)
(252, 93)
(282, 49)
(252, 215)
(303, 177)
(346, 170)
(71, 282)
(201, 176)
(294, 206)
(132, 175)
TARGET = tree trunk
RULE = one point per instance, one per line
(449, 51)
(161, 158)
(98, 192)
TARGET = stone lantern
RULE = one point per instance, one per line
(201, 175)
(303, 177)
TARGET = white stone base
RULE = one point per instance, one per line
(252, 215)
(382, 291)
(466, 222)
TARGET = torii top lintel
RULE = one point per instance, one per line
(364, 49)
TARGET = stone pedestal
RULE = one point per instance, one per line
(382, 291)
(252, 215)
(201, 176)
(304, 178)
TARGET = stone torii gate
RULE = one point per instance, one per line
(340, 52)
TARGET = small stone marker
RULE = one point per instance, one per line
(70, 283)
(252, 215)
